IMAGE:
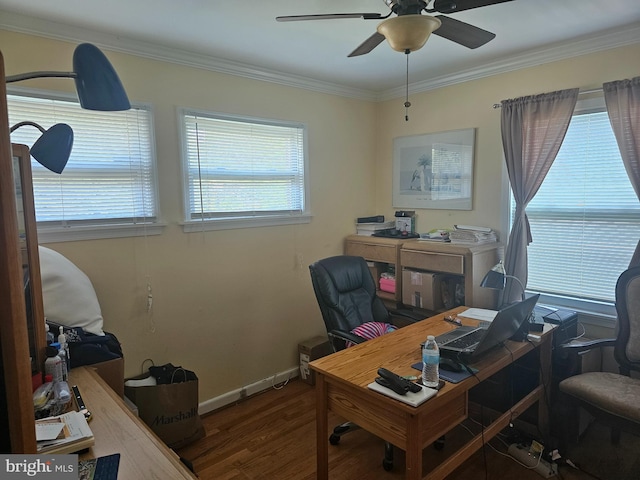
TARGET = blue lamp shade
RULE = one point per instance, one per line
(97, 83)
(53, 148)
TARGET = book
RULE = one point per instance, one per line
(371, 228)
(103, 468)
(374, 219)
(73, 434)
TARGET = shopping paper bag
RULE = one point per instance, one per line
(170, 409)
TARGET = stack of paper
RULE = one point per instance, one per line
(471, 235)
(66, 433)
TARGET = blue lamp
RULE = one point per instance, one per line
(53, 148)
(97, 83)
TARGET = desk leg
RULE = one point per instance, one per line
(322, 433)
(545, 381)
(414, 450)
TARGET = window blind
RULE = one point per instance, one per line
(110, 176)
(585, 219)
(243, 168)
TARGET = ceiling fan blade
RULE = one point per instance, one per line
(369, 44)
(330, 16)
(450, 6)
(463, 33)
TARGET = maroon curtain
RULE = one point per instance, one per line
(622, 98)
(533, 129)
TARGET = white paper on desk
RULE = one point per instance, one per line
(76, 424)
(413, 399)
(48, 431)
(483, 314)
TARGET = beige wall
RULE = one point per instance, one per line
(470, 105)
(233, 305)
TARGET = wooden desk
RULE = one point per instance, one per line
(117, 430)
(341, 387)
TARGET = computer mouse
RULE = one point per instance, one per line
(450, 365)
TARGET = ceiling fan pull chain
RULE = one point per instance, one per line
(407, 103)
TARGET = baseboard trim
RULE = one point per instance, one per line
(246, 391)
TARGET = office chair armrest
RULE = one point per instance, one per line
(580, 347)
(347, 336)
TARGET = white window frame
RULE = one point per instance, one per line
(226, 222)
(589, 311)
(98, 229)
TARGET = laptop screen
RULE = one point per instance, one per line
(506, 323)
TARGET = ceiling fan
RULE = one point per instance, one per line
(409, 29)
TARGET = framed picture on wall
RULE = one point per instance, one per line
(434, 170)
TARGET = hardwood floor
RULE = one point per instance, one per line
(272, 436)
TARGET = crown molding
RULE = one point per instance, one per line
(620, 37)
(594, 43)
(115, 43)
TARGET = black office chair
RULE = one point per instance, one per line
(612, 398)
(346, 294)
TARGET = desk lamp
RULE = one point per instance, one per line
(53, 148)
(97, 83)
(496, 278)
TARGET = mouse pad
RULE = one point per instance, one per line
(452, 377)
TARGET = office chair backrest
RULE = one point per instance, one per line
(627, 348)
(346, 293)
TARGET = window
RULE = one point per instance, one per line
(585, 219)
(242, 172)
(108, 187)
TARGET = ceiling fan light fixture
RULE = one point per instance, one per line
(408, 32)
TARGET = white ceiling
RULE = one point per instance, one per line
(243, 35)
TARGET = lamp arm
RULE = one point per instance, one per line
(519, 283)
(29, 75)
(26, 122)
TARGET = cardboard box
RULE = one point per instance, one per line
(421, 289)
(375, 269)
(112, 372)
(309, 350)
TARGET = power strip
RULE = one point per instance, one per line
(540, 465)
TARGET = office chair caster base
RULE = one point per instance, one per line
(340, 430)
(387, 462)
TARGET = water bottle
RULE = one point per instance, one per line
(430, 362)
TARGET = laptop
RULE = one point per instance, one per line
(468, 343)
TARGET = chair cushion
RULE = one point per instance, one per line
(371, 330)
(613, 393)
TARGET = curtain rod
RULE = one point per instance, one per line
(584, 92)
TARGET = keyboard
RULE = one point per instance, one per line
(468, 340)
(445, 337)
